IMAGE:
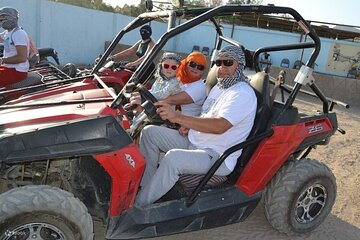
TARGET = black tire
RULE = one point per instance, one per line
(45, 212)
(300, 196)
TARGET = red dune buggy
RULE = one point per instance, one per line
(57, 174)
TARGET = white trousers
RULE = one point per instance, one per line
(181, 158)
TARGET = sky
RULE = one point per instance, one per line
(333, 11)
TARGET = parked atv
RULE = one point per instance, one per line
(47, 74)
(57, 174)
(43, 70)
(46, 79)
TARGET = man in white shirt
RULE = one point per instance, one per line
(14, 64)
(227, 117)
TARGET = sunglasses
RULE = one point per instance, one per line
(195, 65)
(173, 67)
(226, 63)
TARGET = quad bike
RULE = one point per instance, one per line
(47, 80)
(42, 71)
(45, 74)
(57, 174)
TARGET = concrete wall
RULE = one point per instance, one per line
(339, 88)
(78, 34)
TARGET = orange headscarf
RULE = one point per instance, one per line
(183, 75)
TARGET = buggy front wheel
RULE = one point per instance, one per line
(300, 196)
(43, 212)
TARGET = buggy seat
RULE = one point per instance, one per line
(260, 84)
(33, 78)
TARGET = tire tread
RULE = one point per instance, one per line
(284, 186)
(46, 198)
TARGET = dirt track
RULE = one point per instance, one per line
(342, 155)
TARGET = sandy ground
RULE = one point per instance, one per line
(342, 155)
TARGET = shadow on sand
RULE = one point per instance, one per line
(256, 227)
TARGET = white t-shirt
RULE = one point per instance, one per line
(197, 92)
(237, 104)
(16, 37)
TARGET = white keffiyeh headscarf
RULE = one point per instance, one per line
(237, 54)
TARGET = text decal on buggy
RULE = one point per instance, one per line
(130, 160)
(316, 128)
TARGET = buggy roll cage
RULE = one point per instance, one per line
(201, 15)
(205, 14)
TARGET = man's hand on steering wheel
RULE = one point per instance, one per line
(166, 111)
(168, 114)
(148, 101)
(156, 111)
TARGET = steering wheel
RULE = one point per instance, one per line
(150, 108)
(148, 101)
(145, 93)
(149, 112)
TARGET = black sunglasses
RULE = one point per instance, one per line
(195, 65)
(226, 63)
(173, 67)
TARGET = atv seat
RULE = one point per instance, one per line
(260, 84)
(32, 78)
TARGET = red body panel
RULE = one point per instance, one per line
(120, 77)
(125, 177)
(107, 76)
(271, 153)
(30, 116)
(79, 86)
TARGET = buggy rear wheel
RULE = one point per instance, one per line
(43, 212)
(300, 196)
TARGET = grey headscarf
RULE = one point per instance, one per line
(237, 55)
(8, 18)
(166, 56)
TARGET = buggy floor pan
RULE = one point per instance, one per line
(213, 208)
